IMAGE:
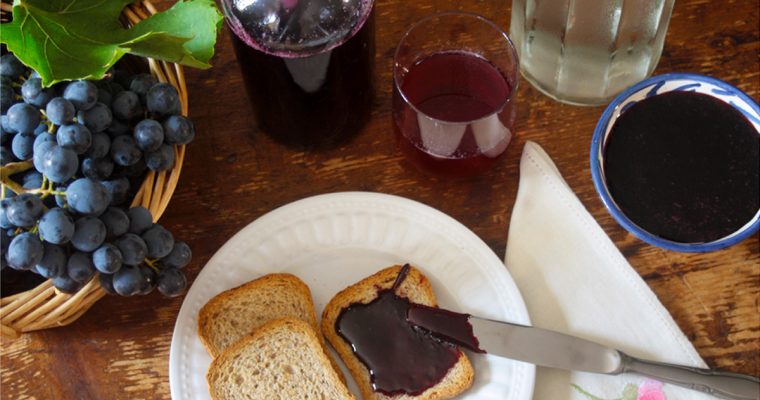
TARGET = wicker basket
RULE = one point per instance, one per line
(45, 307)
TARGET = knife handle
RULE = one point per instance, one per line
(725, 385)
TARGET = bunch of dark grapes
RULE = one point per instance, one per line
(73, 155)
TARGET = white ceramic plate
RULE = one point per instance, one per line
(331, 241)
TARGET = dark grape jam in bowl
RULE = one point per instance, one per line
(676, 161)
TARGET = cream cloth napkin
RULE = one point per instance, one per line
(574, 280)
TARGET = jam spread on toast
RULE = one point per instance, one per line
(400, 357)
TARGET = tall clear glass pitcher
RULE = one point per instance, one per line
(587, 51)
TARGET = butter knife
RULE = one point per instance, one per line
(557, 350)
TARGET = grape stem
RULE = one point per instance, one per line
(14, 168)
(45, 120)
(46, 189)
(152, 264)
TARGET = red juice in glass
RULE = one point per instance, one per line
(453, 105)
(455, 117)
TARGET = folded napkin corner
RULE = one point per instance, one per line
(574, 280)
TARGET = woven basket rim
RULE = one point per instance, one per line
(44, 306)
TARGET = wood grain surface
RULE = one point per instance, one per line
(234, 174)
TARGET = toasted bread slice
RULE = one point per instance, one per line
(237, 312)
(417, 289)
(283, 359)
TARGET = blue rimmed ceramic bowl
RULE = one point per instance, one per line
(651, 87)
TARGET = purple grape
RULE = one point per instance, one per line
(53, 262)
(24, 210)
(34, 94)
(150, 280)
(179, 257)
(101, 144)
(171, 282)
(149, 135)
(67, 285)
(140, 220)
(57, 163)
(97, 169)
(80, 267)
(24, 252)
(97, 118)
(160, 241)
(56, 226)
(178, 130)
(118, 189)
(23, 118)
(126, 106)
(60, 111)
(116, 222)
(106, 282)
(124, 150)
(141, 83)
(87, 197)
(128, 280)
(76, 137)
(23, 145)
(163, 99)
(107, 259)
(89, 234)
(133, 249)
(82, 94)
(161, 159)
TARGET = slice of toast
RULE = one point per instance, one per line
(417, 289)
(237, 312)
(283, 359)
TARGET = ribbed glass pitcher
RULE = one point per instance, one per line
(587, 51)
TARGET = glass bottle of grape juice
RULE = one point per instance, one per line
(307, 66)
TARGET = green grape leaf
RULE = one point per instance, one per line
(81, 39)
(184, 20)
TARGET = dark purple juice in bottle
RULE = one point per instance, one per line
(307, 66)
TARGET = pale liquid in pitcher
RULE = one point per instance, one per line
(587, 51)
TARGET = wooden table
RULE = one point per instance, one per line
(234, 174)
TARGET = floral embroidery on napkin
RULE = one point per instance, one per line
(650, 389)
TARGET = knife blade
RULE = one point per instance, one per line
(557, 350)
(543, 347)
